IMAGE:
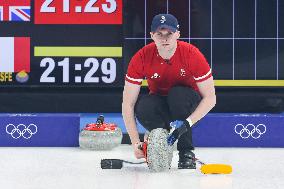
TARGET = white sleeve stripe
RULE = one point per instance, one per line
(202, 77)
(132, 79)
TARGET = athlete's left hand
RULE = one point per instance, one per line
(180, 129)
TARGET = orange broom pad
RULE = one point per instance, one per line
(216, 169)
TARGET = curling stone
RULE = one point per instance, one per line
(100, 135)
(157, 152)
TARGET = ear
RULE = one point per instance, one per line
(152, 35)
(178, 34)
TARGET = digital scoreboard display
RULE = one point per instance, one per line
(78, 12)
(79, 65)
(53, 43)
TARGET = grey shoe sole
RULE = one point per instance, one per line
(159, 153)
(186, 167)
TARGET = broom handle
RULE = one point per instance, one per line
(198, 161)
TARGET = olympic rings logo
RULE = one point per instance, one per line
(250, 130)
(21, 130)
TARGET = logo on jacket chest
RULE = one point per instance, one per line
(182, 72)
(155, 76)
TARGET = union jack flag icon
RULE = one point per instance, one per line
(15, 10)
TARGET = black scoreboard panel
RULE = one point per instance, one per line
(243, 41)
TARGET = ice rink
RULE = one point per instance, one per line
(74, 168)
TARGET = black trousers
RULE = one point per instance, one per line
(154, 111)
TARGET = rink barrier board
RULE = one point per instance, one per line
(39, 130)
(214, 130)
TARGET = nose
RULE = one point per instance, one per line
(166, 37)
(164, 40)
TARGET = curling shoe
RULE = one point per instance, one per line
(186, 160)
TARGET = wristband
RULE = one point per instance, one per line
(189, 121)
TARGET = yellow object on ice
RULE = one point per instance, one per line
(216, 169)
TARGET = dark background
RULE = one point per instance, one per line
(237, 47)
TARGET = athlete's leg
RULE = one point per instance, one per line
(182, 102)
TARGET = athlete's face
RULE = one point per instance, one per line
(165, 39)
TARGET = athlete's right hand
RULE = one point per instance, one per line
(137, 151)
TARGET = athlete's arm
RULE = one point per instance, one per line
(207, 91)
(130, 95)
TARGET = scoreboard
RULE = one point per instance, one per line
(55, 43)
